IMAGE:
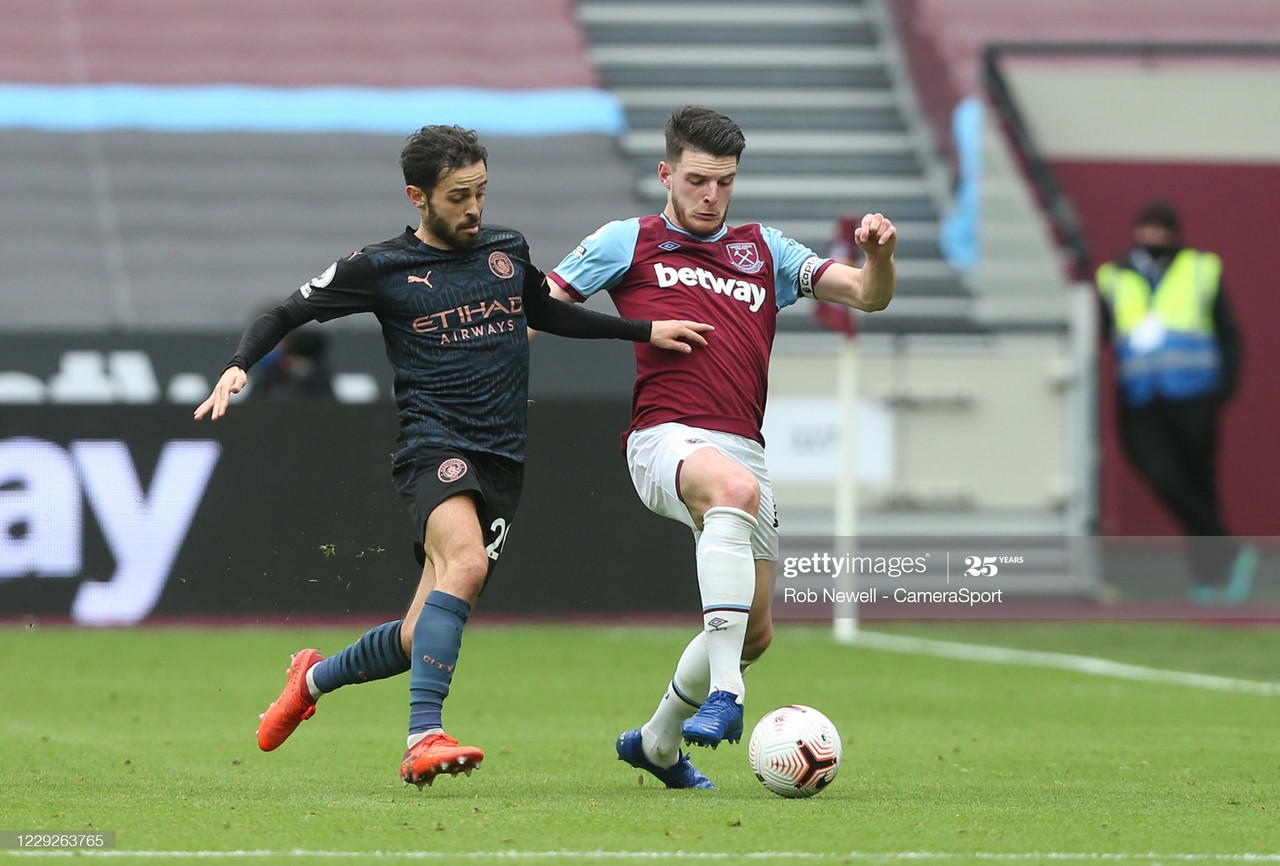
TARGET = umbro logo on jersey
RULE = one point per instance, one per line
(669, 246)
(751, 294)
(426, 280)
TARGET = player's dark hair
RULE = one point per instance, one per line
(702, 130)
(433, 151)
(1159, 213)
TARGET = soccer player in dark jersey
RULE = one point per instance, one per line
(454, 299)
(694, 446)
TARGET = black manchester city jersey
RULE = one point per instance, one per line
(454, 327)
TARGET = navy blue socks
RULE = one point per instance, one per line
(436, 640)
(375, 656)
(378, 654)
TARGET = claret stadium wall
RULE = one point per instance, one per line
(1155, 125)
(1117, 104)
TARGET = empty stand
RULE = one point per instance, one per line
(377, 43)
(123, 229)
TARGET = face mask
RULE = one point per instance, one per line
(1160, 252)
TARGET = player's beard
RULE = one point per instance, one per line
(685, 218)
(449, 234)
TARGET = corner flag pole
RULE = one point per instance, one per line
(845, 612)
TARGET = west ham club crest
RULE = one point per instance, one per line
(745, 257)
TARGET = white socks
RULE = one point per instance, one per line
(727, 580)
(713, 660)
(660, 737)
(414, 739)
(311, 685)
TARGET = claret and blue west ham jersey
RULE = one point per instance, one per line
(736, 280)
(454, 327)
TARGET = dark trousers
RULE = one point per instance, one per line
(1174, 447)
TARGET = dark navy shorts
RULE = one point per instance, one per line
(428, 475)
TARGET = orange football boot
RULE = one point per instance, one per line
(294, 705)
(435, 754)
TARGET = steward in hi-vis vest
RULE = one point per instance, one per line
(1165, 340)
(1177, 362)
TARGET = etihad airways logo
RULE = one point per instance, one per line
(751, 294)
(472, 320)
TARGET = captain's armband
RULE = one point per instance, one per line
(808, 272)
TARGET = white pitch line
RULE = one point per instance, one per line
(1060, 661)
(695, 856)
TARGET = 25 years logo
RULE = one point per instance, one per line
(988, 566)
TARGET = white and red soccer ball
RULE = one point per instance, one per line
(795, 751)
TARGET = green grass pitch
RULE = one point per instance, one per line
(150, 733)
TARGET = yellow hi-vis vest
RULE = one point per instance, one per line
(1164, 337)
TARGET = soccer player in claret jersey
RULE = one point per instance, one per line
(455, 301)
(694, 446)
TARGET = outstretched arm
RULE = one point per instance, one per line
(259, 338)
(546, 313)
(870, 287)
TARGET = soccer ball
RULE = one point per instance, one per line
(795, 751)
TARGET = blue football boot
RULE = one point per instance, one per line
(681, 774)
(719, 718)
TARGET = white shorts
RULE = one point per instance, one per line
(655, 455)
